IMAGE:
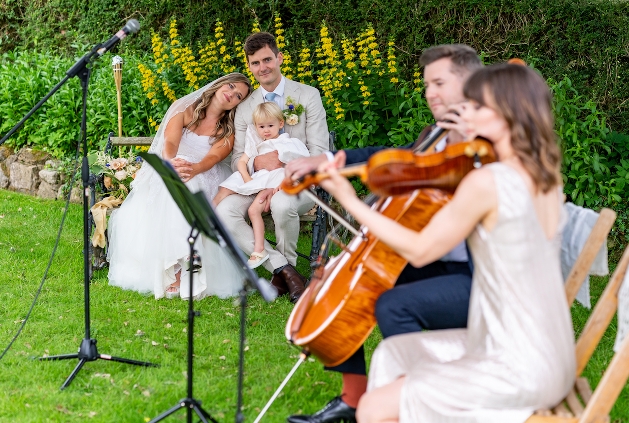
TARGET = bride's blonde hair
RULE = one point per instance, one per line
(225, 126)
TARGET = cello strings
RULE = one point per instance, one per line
(332, 213)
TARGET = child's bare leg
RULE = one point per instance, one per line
(257, 223)
(220, 196)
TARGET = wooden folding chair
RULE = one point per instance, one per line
(593, 244)
(581, 405)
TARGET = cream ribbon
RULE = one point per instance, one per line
(99, 213)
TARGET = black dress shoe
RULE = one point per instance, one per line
(336, 411)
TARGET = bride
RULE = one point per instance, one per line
(148, 247)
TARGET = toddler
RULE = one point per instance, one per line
(261, 138)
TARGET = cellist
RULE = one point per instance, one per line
(435, 296)
(517, 353)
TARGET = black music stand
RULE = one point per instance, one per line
(203, 220)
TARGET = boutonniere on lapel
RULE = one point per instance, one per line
(292, 111)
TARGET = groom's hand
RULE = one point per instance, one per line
(265, 196)
(269, 161)
(297, 168)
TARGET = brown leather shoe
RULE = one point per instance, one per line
(278, 282)
(294, 281)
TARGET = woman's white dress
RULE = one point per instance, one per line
(517, 353)
(148, 235)
(288, 149)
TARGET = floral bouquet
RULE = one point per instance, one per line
(118, 173)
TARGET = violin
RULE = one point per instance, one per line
(398, 171)
(335, 315)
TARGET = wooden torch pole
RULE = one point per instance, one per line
(117, 65)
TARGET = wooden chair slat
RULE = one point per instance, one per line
(611, 384)
(574, 403)
(601, 316)
(562, 411)
(544, 413)
(591, 248)
(583, 388)
(551, 419)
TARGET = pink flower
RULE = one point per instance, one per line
(117, 164)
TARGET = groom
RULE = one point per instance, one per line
(264, 61)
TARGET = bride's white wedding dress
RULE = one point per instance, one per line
(148, 234)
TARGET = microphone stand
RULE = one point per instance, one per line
(87, 351)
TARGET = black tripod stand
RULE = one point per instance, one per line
(87, 350)
(201, 217)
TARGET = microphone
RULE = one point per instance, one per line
(131, 27)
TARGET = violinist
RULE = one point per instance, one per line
(517, 353)
(435, 295)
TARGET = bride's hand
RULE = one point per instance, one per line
(184, 168)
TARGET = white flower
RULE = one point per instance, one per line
(292, 120)
(120, 175)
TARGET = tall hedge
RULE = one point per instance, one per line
(586, 40)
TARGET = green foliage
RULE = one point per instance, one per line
(595, 165)
(585, 40)
(26, 77)
(105, 391)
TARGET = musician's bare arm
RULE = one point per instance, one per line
(474, 201)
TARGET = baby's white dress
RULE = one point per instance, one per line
(288, 149)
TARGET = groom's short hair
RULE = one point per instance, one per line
(464, 58)
(259, 40)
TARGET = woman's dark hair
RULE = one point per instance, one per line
(522, 97)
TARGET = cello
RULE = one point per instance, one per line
(335, 315)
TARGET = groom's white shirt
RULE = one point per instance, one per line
(279, 99)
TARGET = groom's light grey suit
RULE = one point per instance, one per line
(312, 130)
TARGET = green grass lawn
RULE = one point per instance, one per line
(133, 326)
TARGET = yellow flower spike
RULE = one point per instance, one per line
(256, 26)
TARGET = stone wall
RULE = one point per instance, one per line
(31, 172)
